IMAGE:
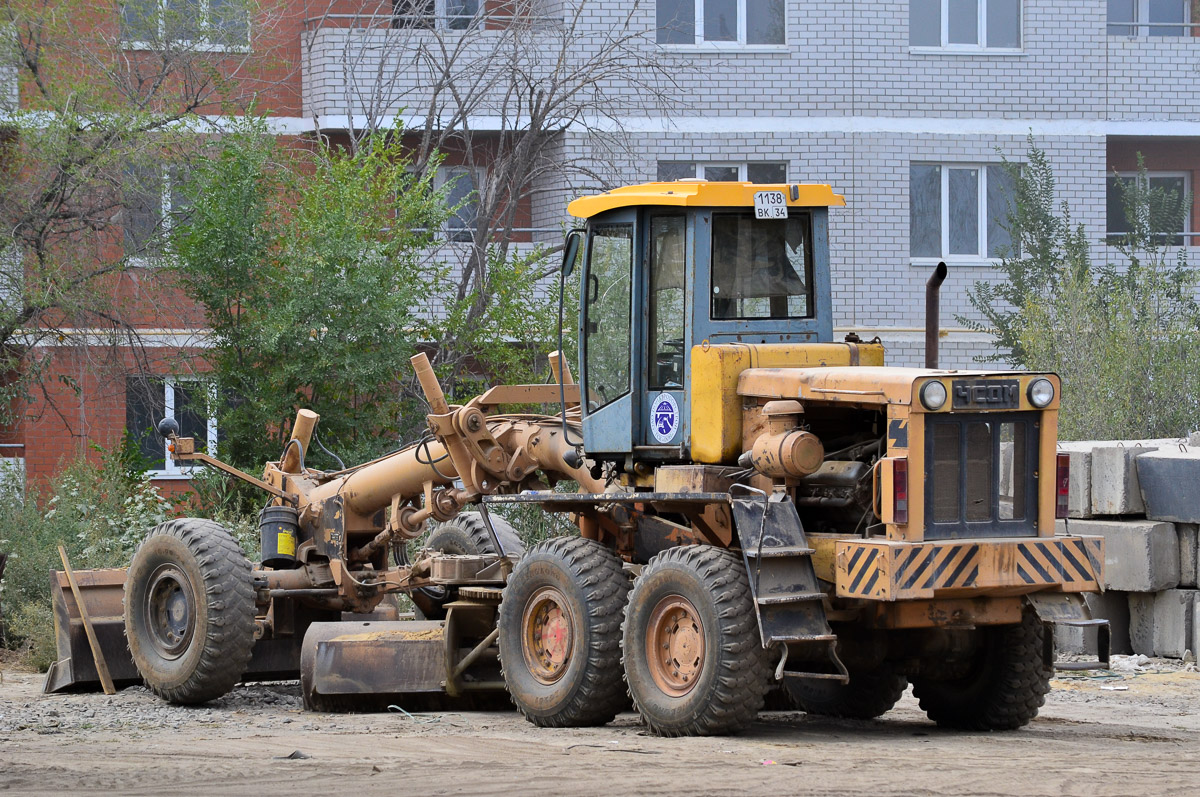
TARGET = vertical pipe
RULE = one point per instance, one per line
(302, 431)
(933, 322)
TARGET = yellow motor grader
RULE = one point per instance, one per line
(759, 507)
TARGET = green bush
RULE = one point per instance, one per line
(98, 513)
(1123, 335)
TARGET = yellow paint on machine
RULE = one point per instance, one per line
(698, 193)
(716, 407)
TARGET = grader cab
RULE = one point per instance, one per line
(759, 507)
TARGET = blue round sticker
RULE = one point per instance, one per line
(664, 417)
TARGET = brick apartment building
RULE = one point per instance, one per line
(905, 106)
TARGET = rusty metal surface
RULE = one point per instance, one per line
(373, 658)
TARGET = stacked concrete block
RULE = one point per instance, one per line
(1079, 499)
(1189, 553)
(1169, 480)
(1139, 555)
(1162, 623)
(1115, 488)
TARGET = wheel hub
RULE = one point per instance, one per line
(548, 636)
(170, 611)
(675, 645)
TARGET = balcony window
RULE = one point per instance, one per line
(1148, 17)
(723, 172)
(209, 24)
(958, 211)
(720, 22)
(462, 195)
(1168, 209)
(965, 24)
(435, 14)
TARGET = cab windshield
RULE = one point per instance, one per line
(761, 268)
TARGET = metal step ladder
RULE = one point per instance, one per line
(787, 596)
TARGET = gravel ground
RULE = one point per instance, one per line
(1132, 731)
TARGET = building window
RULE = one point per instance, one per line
(435, 14)
(212, 24)
(1148, 17)
(722, 172)
(462, 193)
(958, 211)
(153, 203)
(149, 399)
(1176, 190)
(965, 24)
(720, 22)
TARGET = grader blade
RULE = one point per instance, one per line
(102, 592)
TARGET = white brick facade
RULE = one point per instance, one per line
(848, 102)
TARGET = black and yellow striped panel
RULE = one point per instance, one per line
(880, 570)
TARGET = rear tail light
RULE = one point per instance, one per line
(1062, 485)
(900, 490)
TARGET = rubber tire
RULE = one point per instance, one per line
(222, 605)
(868, 695)
(465, 533)
(1006, 685)
(591, 579)
(734, 677)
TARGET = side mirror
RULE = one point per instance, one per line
(571, 252)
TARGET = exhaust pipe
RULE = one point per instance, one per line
(933, 321)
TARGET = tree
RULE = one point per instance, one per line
(500, 86)
(313, 268)
(1124, 335)
(110, 98)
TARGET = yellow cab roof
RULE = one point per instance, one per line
(701, 193)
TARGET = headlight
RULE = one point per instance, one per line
(1041, 392)
(933, 395)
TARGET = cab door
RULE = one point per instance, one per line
(663, 374)
(607, 333)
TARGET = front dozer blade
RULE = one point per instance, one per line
(75, 669)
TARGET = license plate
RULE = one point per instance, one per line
(770, 205)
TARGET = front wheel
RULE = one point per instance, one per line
(1002, 687)
(560, 631)
(693, 660)
(189, 611)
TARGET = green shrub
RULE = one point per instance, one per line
(98, 513)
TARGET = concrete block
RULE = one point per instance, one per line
(1139, 555)
(1189, 554)
(1112, 606)
(1079, 497)
(1169, 480)
(1115, 489)
(1162, 623)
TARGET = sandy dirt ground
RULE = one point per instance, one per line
(1127, 734)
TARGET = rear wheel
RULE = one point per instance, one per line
(1001, 688)
(693, 661)
(464, 533)
(560, 632)
(868, 694)
(189, 611)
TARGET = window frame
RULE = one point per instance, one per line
(981, 257)
(1186, 234)
(203, 44)
(1141, 26)
(700, 43)
(980, 47)
(166, 221)
(743, 168)
(170, 468)
(441, 18)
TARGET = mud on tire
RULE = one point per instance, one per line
(189, 611)
(1003, 688)
(694, 603)
(560, 633)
